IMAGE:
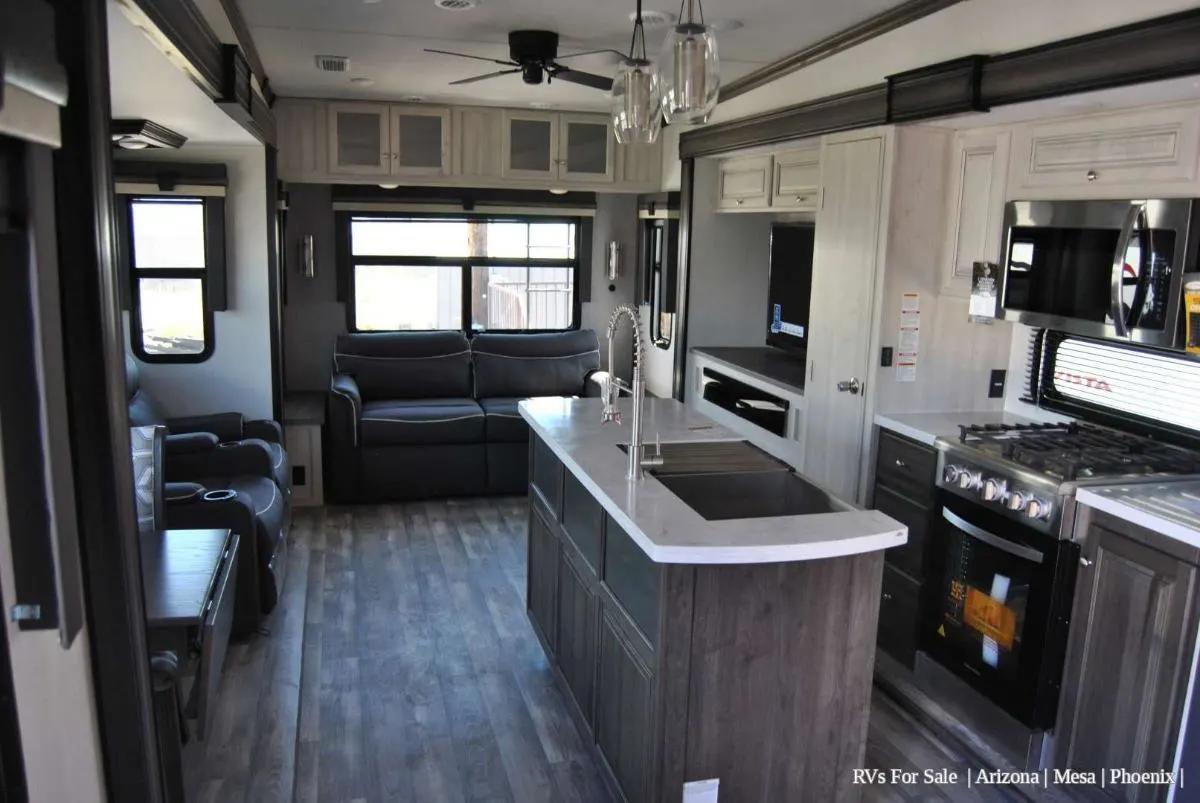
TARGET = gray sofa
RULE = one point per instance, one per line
(415, 415)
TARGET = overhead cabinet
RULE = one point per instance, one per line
(386, 140)
(744, 184)
(788, 180)
(978, 180)
(558, 147)
(796, 180)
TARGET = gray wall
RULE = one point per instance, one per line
(313, 317)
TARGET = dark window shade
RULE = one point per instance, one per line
(215, 252)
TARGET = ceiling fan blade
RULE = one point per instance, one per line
(484, 77)
(616, 53)
(469, 56)
(582, 78)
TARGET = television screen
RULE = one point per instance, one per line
(790, 288)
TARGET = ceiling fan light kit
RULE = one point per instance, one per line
(634, 101)
(689, 70)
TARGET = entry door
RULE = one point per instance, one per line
(843, 290)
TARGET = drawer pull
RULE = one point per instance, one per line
(1091, 175)
(740, 201)
(887, 597)
(900, 463)
(1084, 562)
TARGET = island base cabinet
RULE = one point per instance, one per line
(624, 721)
(541, 597)
(577, 612)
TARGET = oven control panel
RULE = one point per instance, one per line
(1025, 500)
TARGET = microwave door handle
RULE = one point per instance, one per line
(1136, 210)
(980, 534)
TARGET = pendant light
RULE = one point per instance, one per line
(636, 116)
(688, 70)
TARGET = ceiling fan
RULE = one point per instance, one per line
(534, 54)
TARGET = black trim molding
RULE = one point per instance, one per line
(148, 132)
(1152, 50)
(167, 175)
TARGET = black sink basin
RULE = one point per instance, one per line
(750, 495)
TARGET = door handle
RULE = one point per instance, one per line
(1118, 269)
(852, 386)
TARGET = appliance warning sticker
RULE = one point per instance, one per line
(910, 337)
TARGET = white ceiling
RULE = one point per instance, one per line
(144, 84)
(384, 40)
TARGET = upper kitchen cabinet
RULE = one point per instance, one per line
(1130, 154)
(640, 165)
(420, 141)
(744, 184)
(530, 145)
(303, 139)
(570, 148)
(360, 138)
(796, 182)
(478, 133)
(977, 183)
(585, 151)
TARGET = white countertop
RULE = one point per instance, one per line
(1169, 508)
(666, 528)
(926, 427)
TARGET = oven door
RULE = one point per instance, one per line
(1112, 269)
(994, 607)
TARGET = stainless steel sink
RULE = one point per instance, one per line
(736, 480)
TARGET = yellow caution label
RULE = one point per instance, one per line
(942, 631)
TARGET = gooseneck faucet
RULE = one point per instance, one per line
(636, 389)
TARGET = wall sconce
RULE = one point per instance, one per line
(614, 261)
(308, 257)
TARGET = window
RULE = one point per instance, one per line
(169, 248)
(1154, 389)
(479, 273)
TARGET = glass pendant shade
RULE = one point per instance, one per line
(689, 73)
(636, 116)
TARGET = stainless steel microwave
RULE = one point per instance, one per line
(1110, 269)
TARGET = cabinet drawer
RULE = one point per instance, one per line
(744, 183)
(632, 578)
(907, 558)
(546, 475)
(582, 519)
(905, 466)
(1154, 146)
(897, 635)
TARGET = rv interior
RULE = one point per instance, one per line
(467, 400)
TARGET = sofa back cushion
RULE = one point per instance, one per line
(142, 410)
(555, 364)
(406, 365)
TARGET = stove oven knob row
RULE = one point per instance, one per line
(969, 480)
(994, 490)
(1038, 509)
(1017, 500)
(951, 474)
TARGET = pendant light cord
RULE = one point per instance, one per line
(691, 10)
(639, 37)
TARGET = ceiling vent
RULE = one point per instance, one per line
(333, 63)
(455, 5)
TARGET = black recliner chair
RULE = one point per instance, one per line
(216, 445)
(250, 505)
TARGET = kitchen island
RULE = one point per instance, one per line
(691, 649)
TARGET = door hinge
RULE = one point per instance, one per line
(821, 198)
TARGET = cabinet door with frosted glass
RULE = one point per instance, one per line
(359, 139)
(585, 150)
(420, 141)
(531, 145)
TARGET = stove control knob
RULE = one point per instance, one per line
(1017, 500)
(1038, 509)
(969, 480)
(951, 474)
(993, 490)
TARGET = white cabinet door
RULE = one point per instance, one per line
(303, 139)
(978, 178)
(478, 136)
(585, 148)
(359, 139)
(530, 145)
(843, 290)
(640, 167)
(745, 184)
(420, 141)
(1144, 149)
(796, 184)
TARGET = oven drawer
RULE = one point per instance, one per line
(898, 600)
(906, 466)
(909, 557)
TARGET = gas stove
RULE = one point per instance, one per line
(1029, 472)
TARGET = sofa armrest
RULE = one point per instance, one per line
(226, 426)
(190, 443)
(182, 493)
(345, 408)
(344, 387)
(264, 429)
(593, 385)
(229, 459)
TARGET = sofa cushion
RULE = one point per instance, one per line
(522, 365)
(405, 365)
(411, 421)
(503, 421)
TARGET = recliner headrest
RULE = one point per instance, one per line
(132, 377)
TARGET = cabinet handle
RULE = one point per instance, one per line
(740, 201)
(385, 156)
(887, 597)
(1091, 175)
(900, 463)
(801, 199)
(1084, 562)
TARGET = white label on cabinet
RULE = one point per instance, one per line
(910, 337)
(701, 791)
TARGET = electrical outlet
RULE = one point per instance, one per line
(996, 384)
(885, 357)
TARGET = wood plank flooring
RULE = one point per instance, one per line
(401, 667)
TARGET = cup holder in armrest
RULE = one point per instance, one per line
(228, 444)
(219, 496)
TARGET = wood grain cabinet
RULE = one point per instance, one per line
(477, 133)
(541, 592)
(978, 181)
(796, 179)
(377, 139)
(1129, 657)
(624, 697)
(744, 184)
(570, 148)
(303, 139)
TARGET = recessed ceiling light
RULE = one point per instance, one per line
(558, 191)
(362, 80)
(412, 98)
(654, 19)
(456, 5)
(389, 186)
(725, 25)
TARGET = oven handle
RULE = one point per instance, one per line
(1003, 544)
(1136, 210)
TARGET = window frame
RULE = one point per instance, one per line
(214, 254)
(347, 263)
